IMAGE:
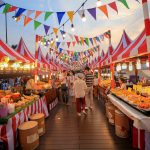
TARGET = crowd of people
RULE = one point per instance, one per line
(78, 88)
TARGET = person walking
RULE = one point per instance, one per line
(79, 89)
(89, 78)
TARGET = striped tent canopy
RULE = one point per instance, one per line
(5, 50)
(125, 41)
(24, 51)
(136, 48)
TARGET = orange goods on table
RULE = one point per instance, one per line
(28, 135)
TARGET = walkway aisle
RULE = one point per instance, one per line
(66, 131)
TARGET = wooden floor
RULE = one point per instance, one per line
(66, 131)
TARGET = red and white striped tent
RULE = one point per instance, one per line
(42, 62)
(52, 65)
(136, 48)
(123, 44)
(24, 51)
(5, 50)
(107, 58)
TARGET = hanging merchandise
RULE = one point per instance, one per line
(118, 67)
(147, 63)
(124, 66)
(130, 66)
(138, 64)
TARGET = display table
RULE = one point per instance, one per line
(141, 122)
(8, 132)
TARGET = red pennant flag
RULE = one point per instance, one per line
(37, 14)
(27, 20)
(77, 39)
(73, 43)
(113, 6)
(12, 8)
(104, 9)
(68, 43)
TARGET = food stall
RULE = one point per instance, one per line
(134, 102)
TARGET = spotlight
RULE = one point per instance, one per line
(98, 3)
(83, 17)
(56, 38)
(72, 28)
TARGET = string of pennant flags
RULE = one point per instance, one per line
(92, 11)
(75, 40)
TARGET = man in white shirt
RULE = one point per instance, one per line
(80, 88)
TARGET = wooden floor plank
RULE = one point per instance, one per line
(66, 131)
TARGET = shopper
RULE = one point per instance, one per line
(122, 84)
(80, 88)
(89, 78)
(64, 87)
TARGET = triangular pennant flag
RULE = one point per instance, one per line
(29, 12)
(71, 36)
(124, 2)
(26, 20)
(60, 50)
(62, 43)
(37, 14)
(91, 40)
(92, 12)
(58, 44)
(47, 14)
(97, 38)
(77, 39)
(68, 43)
(12, 8)
(82, 40)
(104, 9)
(55, 30)
(107, 34)
(73, 43)
(36, 24)
(6, 8)
(87, 41)
(80, 12)
(3, 4)
(46, 28)
(113, 6)
(60, 16)
(19, 12)
(70, 15)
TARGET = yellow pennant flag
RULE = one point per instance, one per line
(55, 30)
(70, 15)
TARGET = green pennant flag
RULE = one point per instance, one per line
(87, 41)
(80, 42)
(47, 14)
(36, 24)
(125, 3)
(6, 8)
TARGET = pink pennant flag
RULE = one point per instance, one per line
(113, 6)
(73, 44)
(68, 43)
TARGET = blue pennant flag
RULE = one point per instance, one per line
(58, 44)
(97, 38)
(60, 16)
(19, 12)
(60, 50)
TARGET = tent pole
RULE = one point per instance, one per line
(146, 22)
(112, 70)
(6, 27)
(36, 60)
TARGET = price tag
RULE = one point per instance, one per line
(139, 88)
(134, 87)
(129, 89)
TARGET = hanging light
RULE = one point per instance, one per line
(124, 66)
(47, 76)
(43, 76)
(48, 42)
(72, 28)
(98, 3)
(83, 17)
(147, 63)
(130, 66)
(118, 67)
(56, 38)
(64, 34)
(138, 64)
(52, 41)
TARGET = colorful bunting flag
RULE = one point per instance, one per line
(87, 41)
(55, 30)
(46, 28)
(6, 8)
(37, 14)
(60, 16)
(29, 12)
(36, 24)
(12, 8)
(68, 43)
(70, 15)
(47, 14)
(73, 44)
(104, 9)
(19, 12)
(113, 6)
(58, 44)
(92, 12)
(91, 40)
(26, 20)
(82, 40)
(124, 2)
